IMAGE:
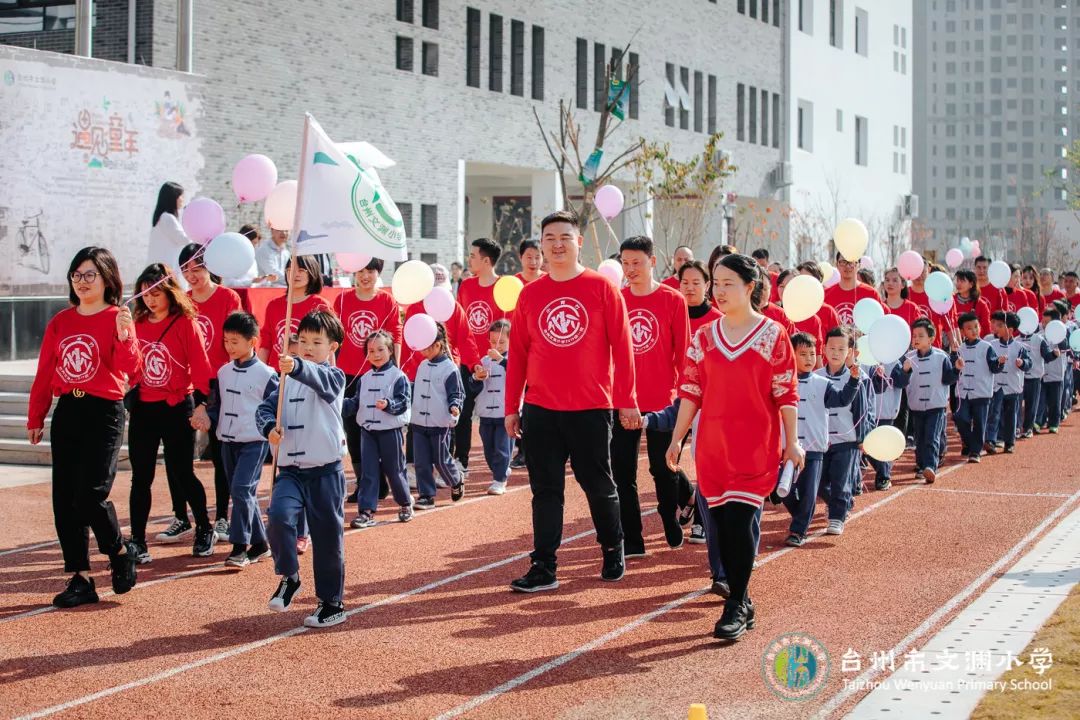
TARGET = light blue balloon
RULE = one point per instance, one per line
(1074, 341)
(939, 286)
(867, 312)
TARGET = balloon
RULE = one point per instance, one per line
(851, 238)
(203, 220)
(439, 304)
(910, 264)
(253, 178)
(612, 270)
(803, 296)
(1074, 340)
(420, 331)
(1029, 320)
(412, 282)
(942, 307)
(866, 355)
(954, 258)
(1055, 332)
(976, 250)
(352, 262)
(834, 279)
(280, 206)
(890, 338)
(866, 262)
(885, 443)
(939, 286)
(999, 273)
(867, 312)
(229, 255)
(827, 272)
(506, 291)
(965, 246)
(608, 201)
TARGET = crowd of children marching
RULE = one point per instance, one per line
(186, 361)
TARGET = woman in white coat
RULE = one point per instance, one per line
(167, 238)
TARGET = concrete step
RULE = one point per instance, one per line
(21, 452)
(14, 427)
(14, 403)
(16, 383)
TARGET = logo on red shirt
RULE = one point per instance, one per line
(479, 316)
(361, 324)
(79, 358)
(563, 322)
(207, 328)
(846, 313)
(157, 364)
(279, 343)
(644, 330)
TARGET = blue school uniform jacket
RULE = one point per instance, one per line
(310, 416)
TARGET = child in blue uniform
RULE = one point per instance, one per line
(931, 372)
(977, 364)
(489, 385)
(437, 402)
(1008, 384)
(840, 463)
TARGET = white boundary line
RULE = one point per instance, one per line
(1001, 494)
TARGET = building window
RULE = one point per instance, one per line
(405, 11)
(404, 53)
(712, 104)
(806, 16)
(765, 117)
(472, 47)
(741, 6)
(765, 10)
(634, 72)
(861, 141)
(752, 116)
(430, 59)
(698, 101)
(406, 217)
(517, 58)
(671, 98)
(582, 73)
(776, 120)
(836, 23)
(429, 222)
(805, 125)
(740, 99)
(776, 13)
(862, 31)
(431, 14)
(495, 53)
(684, 98)
(753, 9)
(600, 89)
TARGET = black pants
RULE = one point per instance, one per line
(86, 435)
(584, 437)
(672, 490)
(735, 527)
(463, 431)
(352, 440)
(222, 489)
(154, 424)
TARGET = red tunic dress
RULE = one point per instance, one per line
(739, 389)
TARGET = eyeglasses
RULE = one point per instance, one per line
(89, 276)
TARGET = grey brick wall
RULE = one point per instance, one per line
(110, 33)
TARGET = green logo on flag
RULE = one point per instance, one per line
(376, 214)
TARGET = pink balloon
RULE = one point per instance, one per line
(253, 178)
(866, 262)
(954, 258)
(612, 275)
(910, 265)
(608, 201)
(942, 307)
(352, 262)
(439, 304)
(420, 331)
(203, 220)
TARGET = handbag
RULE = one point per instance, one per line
(133, 392)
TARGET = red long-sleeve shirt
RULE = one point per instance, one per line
(943, 323)
(908, 310)
(843, 301)
(570, 344)
(478, 302)
(995, 297)
(212, 313)
(81, 352)
(981, 310)
(660, 332)
(775, 312)
(463, 349)
(361, 318)
(174, 361)
(272, 335)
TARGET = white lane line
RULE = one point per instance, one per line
(641, 620)
(859, 684)
(1001, 494)
(220, 567)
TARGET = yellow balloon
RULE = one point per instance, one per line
(697, 712)
(862, 346)
(506, 291)
(827, 270)
(851, 238)
(884, 443)
(412, 282)
(803, 296)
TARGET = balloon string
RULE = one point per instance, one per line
(198, 254)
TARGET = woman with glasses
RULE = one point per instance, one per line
(86, 354)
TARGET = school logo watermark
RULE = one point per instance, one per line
(795, 666)
(563, 322)
(361, 324)
(207, 328)
(479, 316)
(157, 364)
(644, 330)
(79, 358)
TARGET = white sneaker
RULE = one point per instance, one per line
(221, 529)
(176, 532)
(836, 527)
(697, 535)
(326, 615)
(496, 488)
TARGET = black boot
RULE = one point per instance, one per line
(734, 622)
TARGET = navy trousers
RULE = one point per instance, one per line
(929, 426)
(801, 500)
(382, 455)
(838, 466)
(431, 451)
(243, 464)
(498, 447)
(970, 418)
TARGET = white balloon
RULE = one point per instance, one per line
(1055, 332)
(885, 443)
(890, 338)
(803, 297)
(280, 205)
(999, 273)
(867, 312)
(412, 281)
(229, 255)
(1029, 320)
(851, 238)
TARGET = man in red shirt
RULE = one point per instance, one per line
(477, 296)
(682, 255)
(1068, 284)
(995, 297)
(531, 261)
(1047, 291)
(660, 332)
(843, 295)
(570, 347)
(761, 257)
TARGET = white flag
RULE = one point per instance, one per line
(343, 205)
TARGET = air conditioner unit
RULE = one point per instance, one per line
(783, 175)
(722, 156)
(911, 206)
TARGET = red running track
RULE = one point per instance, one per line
(434, 631)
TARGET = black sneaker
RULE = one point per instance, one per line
(238, 558)
(325, 615)
(721, 588)
(80, 591)
(882, 483)
(686, 515)
(1010, 449)
(257, 552)
(284, 594)
(142, 554)
(734, 622)
(123, 569)
(205, 538)
(351, 498)
(458, 491)
(176, 532)
(634, 551)
(615, 564)
(795, 540)
(673, 532)
(424, 503)
(539, 578)
(990, 449)
(518, 462)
